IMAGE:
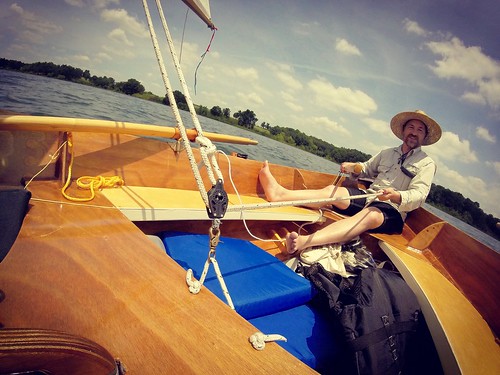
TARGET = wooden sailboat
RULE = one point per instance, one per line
(86, 274)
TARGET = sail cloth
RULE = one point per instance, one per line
(202, 10)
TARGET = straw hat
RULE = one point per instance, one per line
(433, 128)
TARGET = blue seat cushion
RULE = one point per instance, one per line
(259, 283)
(311, 336)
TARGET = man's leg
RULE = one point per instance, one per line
(277, 193)
(339, 231)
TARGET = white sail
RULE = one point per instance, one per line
(202, 9)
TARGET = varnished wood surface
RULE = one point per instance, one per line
(9, 122)
(463, 339)
(29, 350)
(90, 272)
(474, 268)
(140, 203)
(145, 162)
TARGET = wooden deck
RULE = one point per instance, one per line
(87, 270)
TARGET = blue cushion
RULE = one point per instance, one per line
(259, 283)
(310, 335)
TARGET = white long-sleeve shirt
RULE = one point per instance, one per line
(385, 169)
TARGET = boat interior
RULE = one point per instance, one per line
(113, 269)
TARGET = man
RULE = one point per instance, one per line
(402, 178)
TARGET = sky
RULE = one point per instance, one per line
(335, 69)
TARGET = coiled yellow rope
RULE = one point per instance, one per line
(87, 182)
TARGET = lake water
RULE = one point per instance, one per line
(51, 97)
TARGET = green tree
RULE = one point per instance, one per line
(180, 99)
(226, 112)
(216, 111)
(131, 87)
(202, 110)
(246, 118)
(107, 83)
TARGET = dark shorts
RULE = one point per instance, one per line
(393, 223)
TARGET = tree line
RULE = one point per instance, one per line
(440, 197)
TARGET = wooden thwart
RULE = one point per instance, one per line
(153, 204)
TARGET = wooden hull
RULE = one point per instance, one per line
(90, 271)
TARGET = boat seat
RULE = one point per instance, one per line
(259, 283)
(140, 203)
(309, 333)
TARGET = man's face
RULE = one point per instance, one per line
(414, 134)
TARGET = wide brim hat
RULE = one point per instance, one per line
(433, 128)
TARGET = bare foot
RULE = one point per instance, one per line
(292, 240)
(272, 188)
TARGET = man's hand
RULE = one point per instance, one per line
(390, 194)
(346, 167)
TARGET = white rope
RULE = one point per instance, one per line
(175, 109)
(52, 158)
(203, 142)
(305, 202)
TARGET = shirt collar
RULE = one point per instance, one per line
(411, 152)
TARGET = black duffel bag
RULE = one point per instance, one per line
(380, 321)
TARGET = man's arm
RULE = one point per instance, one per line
(413, 197)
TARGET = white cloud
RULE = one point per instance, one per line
(81, 58)
(104, 3)
(99, 4)
(247, 74)
(484, 134)
(125, 21)
(469, 64)
(128, 53)
(101, 56)
(304, 28)
(379, 126)
(35, 28)
(119, 36)
(286, 75)
(334, 98)
(413, 27)
(450, 147)
(346, 48)
(289, 81)
(293, 106)
(250, 97)
(75, 3)
(474, 188)
(324, 124)
(495, 165)
(467, 185)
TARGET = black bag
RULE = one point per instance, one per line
(379, 317)
(13, 207)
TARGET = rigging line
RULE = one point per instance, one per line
(257, 206)
(52, 158)
(183, 31)
(242, 213)
(173, 104)
(189, 101)
(66, 203)
(203, 58)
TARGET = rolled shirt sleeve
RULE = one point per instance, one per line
(385, 170)
(418, 189)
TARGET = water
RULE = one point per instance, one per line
(51, 97)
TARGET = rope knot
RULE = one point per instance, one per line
(206, 143)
